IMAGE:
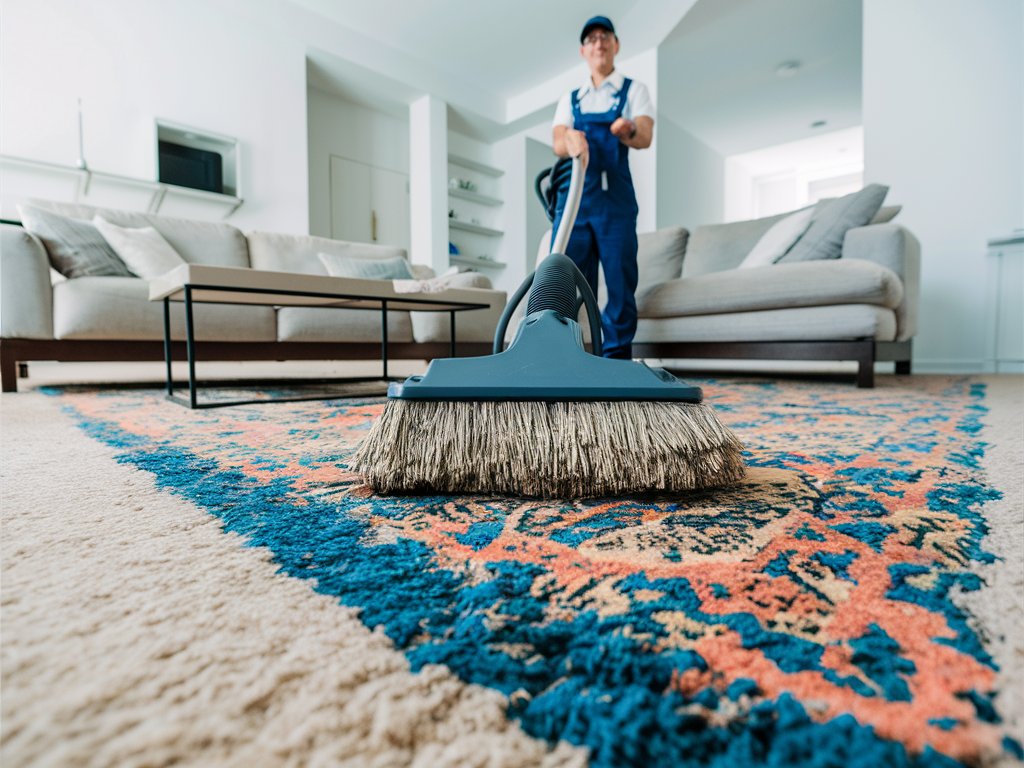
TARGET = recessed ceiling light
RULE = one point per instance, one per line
(788, 68)
(819, 124)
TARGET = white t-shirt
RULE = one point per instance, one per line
(638, 100)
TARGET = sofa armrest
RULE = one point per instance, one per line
(896, 248)
(26, 296)
(473, 325)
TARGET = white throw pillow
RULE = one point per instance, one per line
(142, 249)
(778, 239)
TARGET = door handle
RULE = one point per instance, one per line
(373, 226)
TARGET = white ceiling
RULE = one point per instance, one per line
(505, 46)
(716, 65)
(717, 71)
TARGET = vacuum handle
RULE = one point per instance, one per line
(559, 243)
(560, 240)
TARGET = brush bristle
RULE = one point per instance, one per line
(551, 450)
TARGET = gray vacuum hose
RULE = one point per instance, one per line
(556, 280)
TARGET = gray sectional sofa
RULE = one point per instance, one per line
(44, 316)
(694, 300)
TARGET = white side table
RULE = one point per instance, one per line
(1005, 346)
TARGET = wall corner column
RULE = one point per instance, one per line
(428, 182)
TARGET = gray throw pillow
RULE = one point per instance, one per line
(832, 218)
(76, 248)
(660, 256)
(337, 265)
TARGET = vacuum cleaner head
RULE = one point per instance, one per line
(546, 418)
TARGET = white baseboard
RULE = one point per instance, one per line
(952, 366)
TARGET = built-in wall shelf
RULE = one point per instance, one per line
(473, 165)
(25, 178)
(195, 158)
(476, 228)
(474, 197)
(470, 261)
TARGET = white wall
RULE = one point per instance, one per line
(339, 127)
(213, 66)
(779, 178)
(943, 120)
(643, 164)
(691, 178)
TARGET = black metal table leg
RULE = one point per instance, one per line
(190, 347)
(167, 346)
(384, 337)
(451, 326)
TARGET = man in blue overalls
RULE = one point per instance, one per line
(600, 121)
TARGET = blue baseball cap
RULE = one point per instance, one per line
(597, 21)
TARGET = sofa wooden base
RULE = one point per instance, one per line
(15, 353)
(865, 352)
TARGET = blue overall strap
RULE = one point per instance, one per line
(621, 96)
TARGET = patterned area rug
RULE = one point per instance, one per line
(811, 616)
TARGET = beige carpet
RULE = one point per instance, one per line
(186, 667)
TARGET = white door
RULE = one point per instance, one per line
(389, 208)
(369, 204)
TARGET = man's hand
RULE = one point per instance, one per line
(634, 133)
(623, 129)
(569, 142)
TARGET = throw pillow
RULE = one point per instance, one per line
(659, 256)
(143, 249)
(831, 220)
(885, 214)
(395, 268)
(75, 247)
(780, 238)
(422, 271)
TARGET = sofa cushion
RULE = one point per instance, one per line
(339, 325)
(831, 220)
(143, 249)
(76, 248)
(844, 321)
(806, 284)
(198, 242)
(299, 253)
(714, 247)
(474, 325)
(778, 239)
(659, 257)
(119, 308)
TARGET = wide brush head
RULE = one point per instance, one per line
(547, 449)
(546, 418)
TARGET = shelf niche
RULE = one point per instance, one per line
(196, 159)
(470, 248)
